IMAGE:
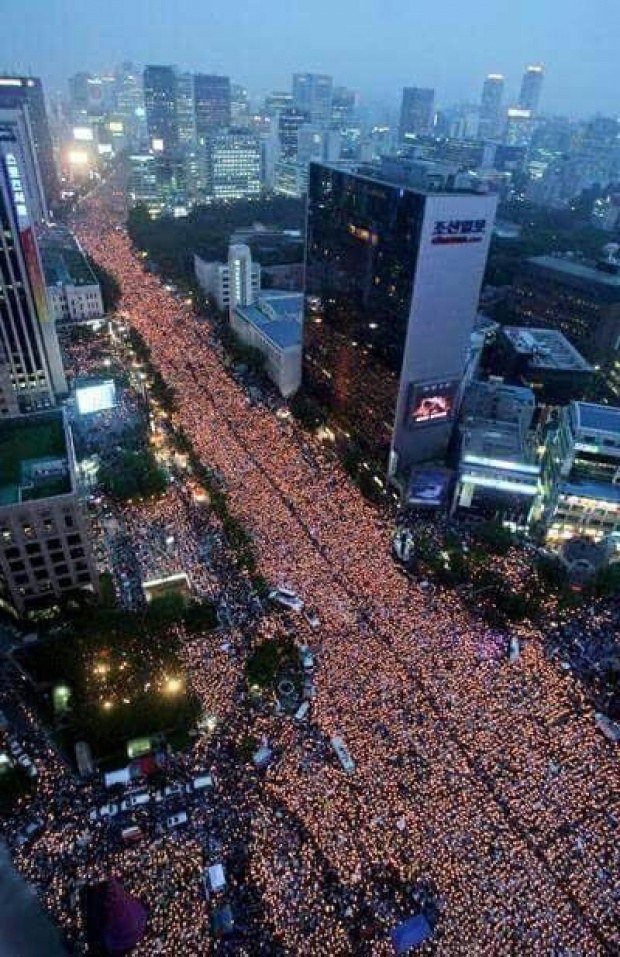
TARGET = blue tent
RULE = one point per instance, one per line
(410, 933)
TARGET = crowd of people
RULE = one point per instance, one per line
(483, 792)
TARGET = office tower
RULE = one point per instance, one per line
(212, 99)
(130, 103)
(31, 354)
(312, 94)
(491, 106)
(417, 112)
(44, 541)
(239, 106)
(142, 181)
(344, 106)
(289, 122)
(27, 92)
(519, 127)
(160, 103)
(186, 112)
(277, 101)
(531, 88)
(235, 165)
(79, 94)
(395, 256)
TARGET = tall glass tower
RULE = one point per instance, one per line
(394, 263)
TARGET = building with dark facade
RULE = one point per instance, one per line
(212, 104)
(28, 90)
(544, 360)
(581, 299)
(416, 112)
(160, 104)
(395, 257)
(312, 94)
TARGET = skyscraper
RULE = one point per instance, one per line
(186, 110)
(491, 106)
(395, 257)
(160, 103)
(290, 119)
(344, 106)
(212, 99)
(312, 94)
(27, 91)
(417, 112)
(130, 103)
(28, 340)
(235, 165)
(531, 88)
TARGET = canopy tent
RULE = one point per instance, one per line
(411, 933)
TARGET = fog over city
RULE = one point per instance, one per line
(376, 46)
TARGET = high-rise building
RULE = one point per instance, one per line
(277, 101)
(130, 104)
(20, 92)
(239, 106)
(27, 332)
(235, 165)
(212, 99)
(416, 112)
(491, 106)
(160, 103)
(395, 257)
(290, 120)
(519, 127)
(531, 88)
(312, 94)
(79, 94)
(344, 107)
(186, 110)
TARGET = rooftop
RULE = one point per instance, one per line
(31, 448)
(63, 261)
(282, 333)
(420, 176)
(546, 348)
(502, 447)
(496, 402)
(578, 270)
(596, 418)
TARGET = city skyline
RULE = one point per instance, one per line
(409, 46)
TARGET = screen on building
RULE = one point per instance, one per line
(95, 397)
(431, 402)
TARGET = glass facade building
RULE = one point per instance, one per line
(393, 275)
(160, 104)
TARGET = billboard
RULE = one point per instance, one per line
(95, 396)
(431, 402)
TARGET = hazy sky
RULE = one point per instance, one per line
(375, 46)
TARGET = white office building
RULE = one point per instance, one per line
(238, 280)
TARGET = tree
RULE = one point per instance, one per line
(110, 288)
(133, 475)
(262, 665)
(495, 536)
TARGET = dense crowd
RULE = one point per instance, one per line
(483, 791)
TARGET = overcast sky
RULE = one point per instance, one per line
(375, 46)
